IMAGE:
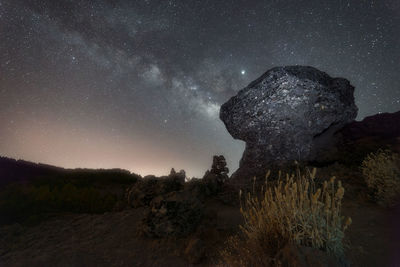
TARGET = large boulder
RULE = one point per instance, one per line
(289, 113)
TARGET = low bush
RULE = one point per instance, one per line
(293, 210)
(381, 171)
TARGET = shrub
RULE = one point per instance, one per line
(291, 211)
(381, 171)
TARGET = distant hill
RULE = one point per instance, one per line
(31, 192)
(12, 170)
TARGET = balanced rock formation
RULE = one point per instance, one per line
(289, 113)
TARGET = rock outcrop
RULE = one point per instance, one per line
(357, 139)
(289, 113)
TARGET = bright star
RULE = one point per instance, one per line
(243, 72)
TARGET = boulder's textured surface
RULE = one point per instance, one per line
(287, 114)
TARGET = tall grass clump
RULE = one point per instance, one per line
(292, 210)
(381, 171)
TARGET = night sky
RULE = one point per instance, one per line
(138, 84)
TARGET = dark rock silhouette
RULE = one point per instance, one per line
(289, 113)
(384, 126)
(357, 139)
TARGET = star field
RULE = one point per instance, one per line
(138, 84)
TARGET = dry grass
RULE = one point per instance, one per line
(381, 171)
(292, 210)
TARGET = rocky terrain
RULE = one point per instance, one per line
(165, 227)
(56, 217)
(355, 140)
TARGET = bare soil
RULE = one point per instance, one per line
(112, 239)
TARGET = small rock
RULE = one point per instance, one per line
(300, 256)
(195, 251)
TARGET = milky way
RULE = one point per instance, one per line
(138, 84)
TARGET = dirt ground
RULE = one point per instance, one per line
(112, 239)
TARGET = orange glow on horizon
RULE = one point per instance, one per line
(60, 145)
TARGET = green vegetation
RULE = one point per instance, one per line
(381, 171)
(76, 192)
(294, 210)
